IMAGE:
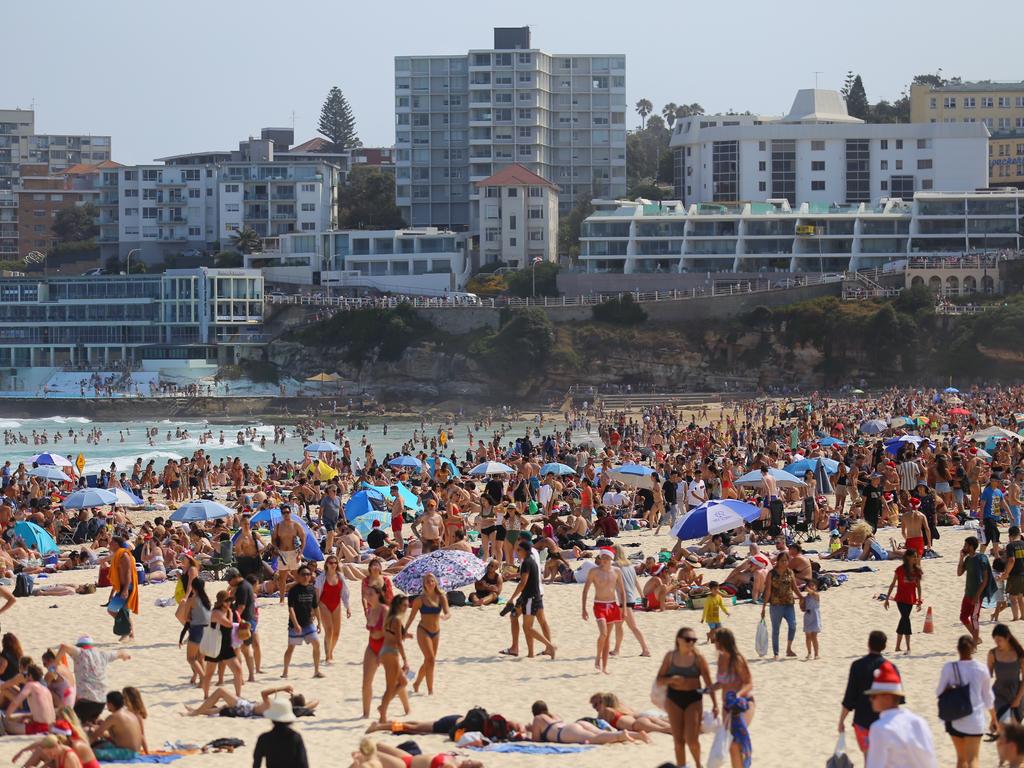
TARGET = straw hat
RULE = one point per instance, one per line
(280, 711)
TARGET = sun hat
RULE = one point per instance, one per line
(85, 641)
(280, 711)
(887, 680)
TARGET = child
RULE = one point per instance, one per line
(999, 598)
(713, 605)
(810, 604)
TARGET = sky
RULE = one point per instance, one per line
(164, 77)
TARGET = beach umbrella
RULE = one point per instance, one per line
(492, 468)
(126, 498)
(959, 412)
(365, 502)
(782, 478)
(900, 421)
(894, 445)
(951, 391)
(364, 523)
(821, 474)
(873, 426)
(715, 516)
(324, 378)
(49, 472)
(558, 469)
(198, 510)
(311, 551)
(984, 434)
(828, 442)
(634, 475)
(35, 537)
(50, 458)
(857, 391)
(89, 497)
(452, 568)
(797, 468)
(406, 461)
(410, 500)
(322, 446)
(445, 462)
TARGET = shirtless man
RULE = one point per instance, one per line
(769, 487)
(609, 603)
(916, 530)
(40, 705)
(290, 539)
(428, 528)
(121, 727)
(799, 564)
(247, 548)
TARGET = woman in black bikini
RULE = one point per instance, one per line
(432, 606)
(681, 672)
(553, 729)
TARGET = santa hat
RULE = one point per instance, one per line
(915, 502)
(887, 680)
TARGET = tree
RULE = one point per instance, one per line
(689, 110)
(337, 123)
(666, 167)
(228, 260)
(367, 201)
(669, 112)
(521, 282)
(569, 226)
(246, 240)
(647, 191)
(847, 85)
(644, 107)
(644, 150)
(857, 100)
(73, 225)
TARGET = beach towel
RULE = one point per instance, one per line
(158, 759)
(535, 749)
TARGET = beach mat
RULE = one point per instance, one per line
(159, 759)
(535, 749)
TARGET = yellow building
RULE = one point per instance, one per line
(1000, 106)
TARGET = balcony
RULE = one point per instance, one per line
(254, 196)
(172, 201)
(172, 220)
(283, 216)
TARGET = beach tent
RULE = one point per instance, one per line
(311, 551)
(445, 462)
(365, 502)
(409, 499)
(35, 537)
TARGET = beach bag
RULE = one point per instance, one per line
(839, 757)
(456, 599)
(659, 693)
(122, 623)
(718, 757)
(955, 701)
(23, 585)
(761, 643)
(209, 645)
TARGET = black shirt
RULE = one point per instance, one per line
(862, 676)
(302, 599)
(647, 497)
(245, 600)
(494, 491)
(528, 570)
(669, 489)
(281, 746)
(376, 538)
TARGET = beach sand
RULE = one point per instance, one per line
(797, 701)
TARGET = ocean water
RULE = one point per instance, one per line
(121, 443)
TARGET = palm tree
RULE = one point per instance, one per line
(246, 241)
(669, 112)
(690, 110)
(644, 107)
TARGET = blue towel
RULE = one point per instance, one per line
(154, 759)
(535, 749)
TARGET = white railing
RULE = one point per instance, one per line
(961, 309)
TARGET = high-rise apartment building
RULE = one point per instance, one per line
(460, 119)
(1000, 106)
(48, 154)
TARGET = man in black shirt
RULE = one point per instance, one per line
(670, 492)
(243, 599)
(303, 619)
(862, 676)
(527, 601)
(376, 538)
(873, 500)
(281, 747)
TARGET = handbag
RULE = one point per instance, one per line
(209, 645)
(718, 757)
(839, 757)
(955, 701)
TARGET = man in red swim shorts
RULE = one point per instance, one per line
(609, 601)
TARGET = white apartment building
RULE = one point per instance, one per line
(460, 119)
(819, 154)
(518, 218)
(624, 236)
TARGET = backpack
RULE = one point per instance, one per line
(456, 599)
(23, 584)
(473, 721)
(496, 728)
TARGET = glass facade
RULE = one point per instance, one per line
(858, 171)
(784, 170)
(725, 156)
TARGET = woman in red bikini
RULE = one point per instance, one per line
(373, 602)
(375, 578)
(331, 592)
(432, 606)
(621, 717)
(384, 755)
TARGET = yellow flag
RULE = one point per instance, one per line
(80, 462)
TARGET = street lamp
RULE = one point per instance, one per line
(533, 275)
(128, 261)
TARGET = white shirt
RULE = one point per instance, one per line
(696, 494)
(974, 674)
(900, 739)
(581, 572)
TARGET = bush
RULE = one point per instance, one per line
(364, 333)
(521, 345)
(620, 311)
(521, 283)
(487, 284)
(256, 371)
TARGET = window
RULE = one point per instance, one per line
(149, 194)
(309, 187)
(493, 192)
(762, 186)
(762, 165)
(818, 186)
(1019, 102)
(131, 175)
(762, 146)
(511, 192)
(817, 146)
(149, 213)
(231, 207)
(1004, 123)
(150, 175)
(308, 207)
(902, 186)
(308, 226)
(885, 184)
(131, 212)
(131, 193)
(525, 114)
(503, 59)
(193, 193)
(922, 143)
(986, 102)
(924, 164)
(524, 58)
(536, 213)
(192, 174)
(884, 165)
(525, 150)
(536, 192)
(926, 183)
(969, 102)
(899, 143)
(512, 223)
(38, 212)
(899, 165)
(885, 142)
(229, 188)
(525, 77)
(817, 165)
(512, 242)
(491, 235)
(537, 234)
(194, 232)
(949, 102)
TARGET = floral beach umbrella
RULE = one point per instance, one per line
(452, 568)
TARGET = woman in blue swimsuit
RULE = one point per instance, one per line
(432, 606)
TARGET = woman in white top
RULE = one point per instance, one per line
(633, 597)
(966, 732)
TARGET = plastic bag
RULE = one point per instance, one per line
(659, 692)
(761, 643)
(718, 757)
(839, 757)
(209, 645)
(709, 722)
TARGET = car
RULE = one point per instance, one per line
(277, 296)
(93, 272)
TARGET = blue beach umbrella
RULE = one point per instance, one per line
(782, 478)
(828, 442)
(311, 551)
(50, 458)
(409, 499)
(199, 510)
(406, 461)
(49, 472)
(951, 391)
(873, 427)
(713, 517)
(893, 446)
(558, 469)
(364, 523)
(365, 502)
(432, 465)
(35, 537)
(797, 468)
(632, 474)
(89, 497)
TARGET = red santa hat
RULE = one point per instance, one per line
(887, 680)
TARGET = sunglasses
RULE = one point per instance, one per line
(688, 639)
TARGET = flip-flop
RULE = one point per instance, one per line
(507, 652)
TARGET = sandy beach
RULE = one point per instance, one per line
(798, 701)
